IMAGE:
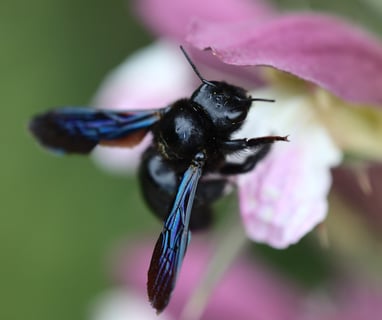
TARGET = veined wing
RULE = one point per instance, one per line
(79, 130)
(172, 243)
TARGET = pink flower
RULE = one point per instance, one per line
(247, 290)
(333, 75)
(359, 301)
(354, 299)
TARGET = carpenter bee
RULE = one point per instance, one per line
(191, 141)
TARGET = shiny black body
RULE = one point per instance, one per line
(159, 183)
(182, 172)
(203, 123)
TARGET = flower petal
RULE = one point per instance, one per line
(362, 300)
(170, 18)
(284, 197)
(318, 48)
(152, 78)
(353, 298)
(121, 304)
(246, 291)
(356, 129)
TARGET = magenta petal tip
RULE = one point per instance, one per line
(322, 49)
(171, 18)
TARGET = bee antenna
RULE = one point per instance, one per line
(264, 100)
(195, 69)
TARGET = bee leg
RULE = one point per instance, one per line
(261, 147)
(248, 164)
(242, 144)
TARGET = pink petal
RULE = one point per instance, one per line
(285, 196)
(279, 205)
(170, 18)
(354, 299)
(362, 300)
(247, 291)
(318, 48)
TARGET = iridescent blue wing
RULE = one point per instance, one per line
(172, 243)
(79, 130)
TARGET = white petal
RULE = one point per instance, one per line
(122, 305)
(120, 161)
(151, 78)
(285, 196)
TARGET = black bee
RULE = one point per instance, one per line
(191, 139)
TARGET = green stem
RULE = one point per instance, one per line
(230, 243)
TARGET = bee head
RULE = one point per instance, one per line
(226, 105)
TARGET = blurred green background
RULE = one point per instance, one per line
(61, 216)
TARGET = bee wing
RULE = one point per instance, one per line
(79, 130)
(172, 244)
